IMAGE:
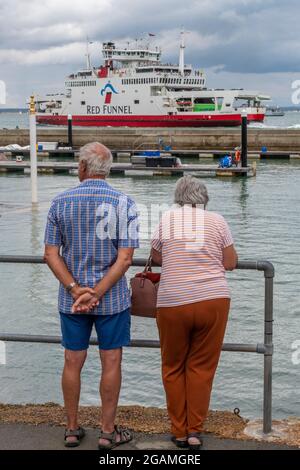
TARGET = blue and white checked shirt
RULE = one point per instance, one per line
(90, 222)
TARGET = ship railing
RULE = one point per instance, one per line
(265, 348)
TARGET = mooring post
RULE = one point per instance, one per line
(33, 151)
(70, 131)
(244, 149)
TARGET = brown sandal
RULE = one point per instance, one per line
(125, 436)
(78, 433)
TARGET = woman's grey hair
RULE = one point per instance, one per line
(98, 159)
(190, 190)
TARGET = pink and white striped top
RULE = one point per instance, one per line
(191, 241)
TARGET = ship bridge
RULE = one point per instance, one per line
(130, 56)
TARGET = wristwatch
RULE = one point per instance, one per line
(70, 286)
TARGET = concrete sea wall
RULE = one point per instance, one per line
(189, 139)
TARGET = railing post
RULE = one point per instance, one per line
(268, 355)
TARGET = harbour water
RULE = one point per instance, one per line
(264, 217)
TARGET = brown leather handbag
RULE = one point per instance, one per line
(144, 287)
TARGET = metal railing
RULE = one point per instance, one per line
(265, 348)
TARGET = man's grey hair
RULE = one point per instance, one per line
(98, 159)
(190, 190)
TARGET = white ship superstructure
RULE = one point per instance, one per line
(134, 88)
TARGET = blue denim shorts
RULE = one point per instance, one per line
(113, 331)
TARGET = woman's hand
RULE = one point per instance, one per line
(86, 302)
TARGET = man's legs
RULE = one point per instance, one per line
(110, 385)
(113, 333)
(76, 331)
(74, 361)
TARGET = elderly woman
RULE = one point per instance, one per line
(194, 248)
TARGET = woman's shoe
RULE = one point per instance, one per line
(181, 443)
(195, 446)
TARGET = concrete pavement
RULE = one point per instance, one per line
(42, 437)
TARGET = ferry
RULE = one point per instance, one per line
(134, 88)
(274, 111)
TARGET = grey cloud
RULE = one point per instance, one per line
(246, 37)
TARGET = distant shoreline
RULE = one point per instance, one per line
(13, 110)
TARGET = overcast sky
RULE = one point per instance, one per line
(240, 43)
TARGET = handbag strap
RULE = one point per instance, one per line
(148, 267)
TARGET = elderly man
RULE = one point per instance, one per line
(96, 229)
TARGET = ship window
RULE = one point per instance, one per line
(136, 101)
(82, 103)
(207, 100)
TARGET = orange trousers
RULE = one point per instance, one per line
(191, 338)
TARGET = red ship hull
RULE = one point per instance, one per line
(256, 117)
(208, 120)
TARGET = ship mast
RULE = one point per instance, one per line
(181, 52)
(88, 55)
